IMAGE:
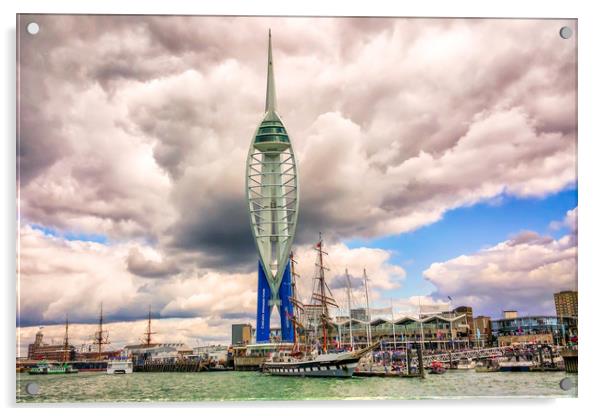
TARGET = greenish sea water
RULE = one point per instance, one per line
(228, 386)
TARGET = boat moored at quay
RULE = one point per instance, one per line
(336, 364)
(120, 367)
(44, 368)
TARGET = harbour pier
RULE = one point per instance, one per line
(172, 367)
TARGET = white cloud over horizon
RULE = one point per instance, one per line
(521, 273)
(394, 122)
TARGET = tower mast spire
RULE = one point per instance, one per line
(270, 96)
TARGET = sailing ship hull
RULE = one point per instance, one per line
(339, 368)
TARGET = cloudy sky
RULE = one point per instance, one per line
(438, 154)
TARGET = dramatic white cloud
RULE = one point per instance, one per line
(394, 122)
(521, 273)
(58, 276)
(397, 120)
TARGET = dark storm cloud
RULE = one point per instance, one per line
(222, 233)
(138, 264)
(239, 316)
(35, 156)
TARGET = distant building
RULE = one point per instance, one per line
(466, 310)
(482, 331)
(360, 314)
(241, 334)
(566, 303)
(215, 353)
(93, 355)
(509, 314)
(156, 347)
(41, 351)
(165, 351)
(531, 329)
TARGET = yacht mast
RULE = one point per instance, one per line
(297, 307)
(369, 331)
(393, 325)
(349, 307)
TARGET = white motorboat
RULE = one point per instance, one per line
(120, 367)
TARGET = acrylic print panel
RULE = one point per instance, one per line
(284, 208)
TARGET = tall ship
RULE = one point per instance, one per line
(316, 358)
(44, 367)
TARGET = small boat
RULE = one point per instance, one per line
(119, 367)
(465, 364)
(44, 368)
(437, 368)
(516, 365)
(487, 366)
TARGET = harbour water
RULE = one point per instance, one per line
(229, 386)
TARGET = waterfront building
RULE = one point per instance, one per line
(482, 331)
(93, 355)
(531, 329)
(467, 310)
(510, 314)
(214, 353)
(359, 314)
(566, 303)
(242, 334)
(39, 350)
(273, 203)
(164, 351)
(435, 332)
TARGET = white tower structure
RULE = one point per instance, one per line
(272, 193)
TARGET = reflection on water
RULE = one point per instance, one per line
(255, 386)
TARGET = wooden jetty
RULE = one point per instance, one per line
(177, 367)
(569, 356)
(378, 372)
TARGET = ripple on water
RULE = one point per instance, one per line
(226, 386)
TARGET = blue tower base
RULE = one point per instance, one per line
(264, 310)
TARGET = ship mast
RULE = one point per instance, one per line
(148, 334)
(100, 338)
(321, 297)
(297, 307)
(349, 307)
(369, 331)
(66, 341)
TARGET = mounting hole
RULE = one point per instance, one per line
(566, 384)
(566, 32)
(33, 28)
(32, 388)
